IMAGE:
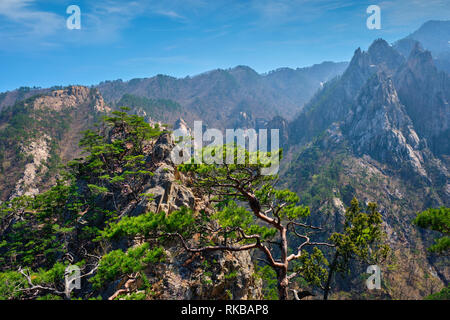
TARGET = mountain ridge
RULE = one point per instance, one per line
(378, 130)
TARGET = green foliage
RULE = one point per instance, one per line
(133, 296)
(42, 228)
(233, 216)
(137, 129)
(118, 162)
(44, 221)
(240, 163)
(441, 245)
(150, 224)
(362, 236)
(269, 278)
(444, 294)
(9, 282)
(118, 263)
(97, 190)
(55, 275)
(362, 239)
(206, 277)
(437, 220)
(312, 267)
(49, 297)
(231, 275)
(228, 294)
(13, 283)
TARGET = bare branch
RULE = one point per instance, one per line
(292, 275)
(37, 287)
(212, 248)
(298, 224)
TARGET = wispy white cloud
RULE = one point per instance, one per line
(171, 14)
(24, 23)
(396, 12)
(21, 19)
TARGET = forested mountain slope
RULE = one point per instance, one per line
(381, 132)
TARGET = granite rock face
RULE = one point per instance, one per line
(333, 102)
(49, 126)
(380, 127)
(380, 133)
(425, 92)
(216, 275)
(71, 97)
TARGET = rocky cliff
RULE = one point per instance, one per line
(83, 206)
(185, 275)
(41, 132)
(425, 92)
(333, 101)
(377, 133)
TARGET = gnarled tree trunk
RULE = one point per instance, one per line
(283, 283)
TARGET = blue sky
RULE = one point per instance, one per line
(129, 39)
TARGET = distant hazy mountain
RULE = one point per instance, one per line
(376, 128)
(332, 103)
(380, 132)
(233, 97)
(425, 93)
(238, 97)
(9, 98)
(433, 36)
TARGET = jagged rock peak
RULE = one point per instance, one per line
(379, 56)
(384, 56)
(377, 45)
(359, 57)
(163, 147)
(381, 127)
(425, 92)
(420, 58)
(381, 89)
(405, 46)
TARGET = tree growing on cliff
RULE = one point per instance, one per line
(437, 219)
(253, 214)
(40, 235)
(361, 239)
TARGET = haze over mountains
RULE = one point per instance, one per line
(433, 36)
(380, 131)
(376, 128)
(225, 98)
